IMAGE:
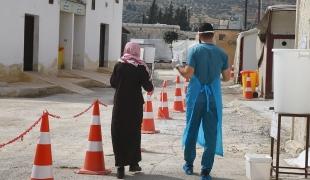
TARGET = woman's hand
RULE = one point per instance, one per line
(151, 93)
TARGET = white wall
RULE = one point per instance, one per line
(12, 18)
(111, 15)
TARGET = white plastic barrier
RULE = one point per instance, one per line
(292, 81)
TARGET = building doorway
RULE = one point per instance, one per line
(103, 48)
(31, 39)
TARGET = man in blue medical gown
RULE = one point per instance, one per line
(206, 63)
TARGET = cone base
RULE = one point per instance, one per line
(150, 132)
(164, 118)
(84, 171)
(178, 111)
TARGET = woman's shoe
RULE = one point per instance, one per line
(135, 168)
(120, 172)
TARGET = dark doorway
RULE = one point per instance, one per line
(102, 60)
(28, 42)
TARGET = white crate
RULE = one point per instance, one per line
(258, 166)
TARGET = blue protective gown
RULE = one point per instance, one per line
(204, 112)
(204, 105)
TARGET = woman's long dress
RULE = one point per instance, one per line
(128, 111)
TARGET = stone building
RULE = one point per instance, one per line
(149, 31)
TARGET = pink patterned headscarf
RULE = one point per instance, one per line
(132, 55)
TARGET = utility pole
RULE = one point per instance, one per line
(259, 11)
(245, 14)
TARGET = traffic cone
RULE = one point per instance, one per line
(248, 88)
(163, 109)
(178, 101)
(42, 166)
(185, 90)
(148, 125)
(94, 159)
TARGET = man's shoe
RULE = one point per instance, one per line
(120, 172)
(188, 169)
(135, 168)
(205, 175)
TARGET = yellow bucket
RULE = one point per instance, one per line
(254, 79)
(61, 63)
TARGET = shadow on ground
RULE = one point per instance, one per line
(142, 176)
(151, 177)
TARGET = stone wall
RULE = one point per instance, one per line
(302, 41)
(226, 39)
(303, 24)
(149, 31)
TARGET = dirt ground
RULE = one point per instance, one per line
(245, 131)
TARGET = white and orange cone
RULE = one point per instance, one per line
(148, 125)
(248, 88)
(94, 159)
(163, 109)
(185, 90)
(178, 100)
(42, 166)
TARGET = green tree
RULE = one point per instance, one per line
(177, 16)
(160, 16)
(184, 19)
(169, 37)
(153, 13)
(170, 14)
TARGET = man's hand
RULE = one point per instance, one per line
(186, 72)
(226, 75)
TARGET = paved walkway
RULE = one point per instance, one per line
(244, 131)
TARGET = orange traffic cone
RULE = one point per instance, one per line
(42, 165)
(248, 88)
(185, 90)
(163, 110)
(148, 125)
(94, 159)
(178, 101)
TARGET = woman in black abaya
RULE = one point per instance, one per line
(129, 76)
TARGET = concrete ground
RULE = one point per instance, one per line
(244, 131)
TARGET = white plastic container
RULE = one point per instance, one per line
(258, 166)
(292, 81)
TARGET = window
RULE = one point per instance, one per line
(221, 37)
(93, 4)
(51, 1)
